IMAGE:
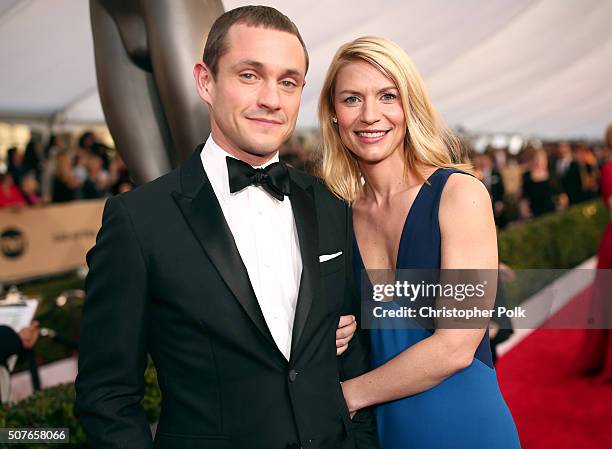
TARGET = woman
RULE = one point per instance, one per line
(10, 195)
(29, 189)
(596, 353)
(33, 158)
(538, 189)
(415, 209)
(16, 168)
(97, 182)
(65, 184)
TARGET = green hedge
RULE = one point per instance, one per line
(553, 243)
(557, 240)
(54, 407)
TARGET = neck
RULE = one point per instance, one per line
(385, 178)
(254, 160)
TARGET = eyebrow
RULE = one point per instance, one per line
(259, 66)
(347, 91)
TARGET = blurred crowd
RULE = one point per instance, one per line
(57, 174)
(540, 179)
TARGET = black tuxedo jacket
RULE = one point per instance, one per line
(10, 343)
(166, 278)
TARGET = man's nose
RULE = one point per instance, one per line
(269, 97)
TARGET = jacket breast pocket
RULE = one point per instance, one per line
(331, 266)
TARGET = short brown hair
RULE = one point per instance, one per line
(256, 16)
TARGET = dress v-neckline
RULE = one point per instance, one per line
(405, 226)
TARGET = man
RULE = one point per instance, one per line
(12, 343)
(232, 278)
(565, 174)
(491, 177)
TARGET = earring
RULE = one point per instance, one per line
(335, 119)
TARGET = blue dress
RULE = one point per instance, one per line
(465, 411)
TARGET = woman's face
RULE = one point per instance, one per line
(540, 161)
(371, 119)
(29, 184)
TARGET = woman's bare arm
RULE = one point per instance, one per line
(468, 241)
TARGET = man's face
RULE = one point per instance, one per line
(255, 96)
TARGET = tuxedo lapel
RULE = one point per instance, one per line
(305, 216)
(200, 207)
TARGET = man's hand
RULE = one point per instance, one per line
(346, 329)
(29, 335)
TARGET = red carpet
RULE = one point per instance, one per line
(553, 406)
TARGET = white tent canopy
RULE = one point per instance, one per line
(539, 68)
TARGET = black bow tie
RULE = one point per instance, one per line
(274, 178)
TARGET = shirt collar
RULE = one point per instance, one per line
(215, 166)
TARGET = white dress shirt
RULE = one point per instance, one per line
(266, 236)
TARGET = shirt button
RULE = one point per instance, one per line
(292, 375)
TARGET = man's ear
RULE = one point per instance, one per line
(204, 81)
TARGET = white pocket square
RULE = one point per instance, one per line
(326, 257)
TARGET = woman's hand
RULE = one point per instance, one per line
(350, 404)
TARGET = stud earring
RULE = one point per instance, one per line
(335, 119)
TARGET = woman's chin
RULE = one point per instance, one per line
(373, 158)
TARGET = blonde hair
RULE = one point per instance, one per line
(428, 141)
(537, 154)
(63, 166)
